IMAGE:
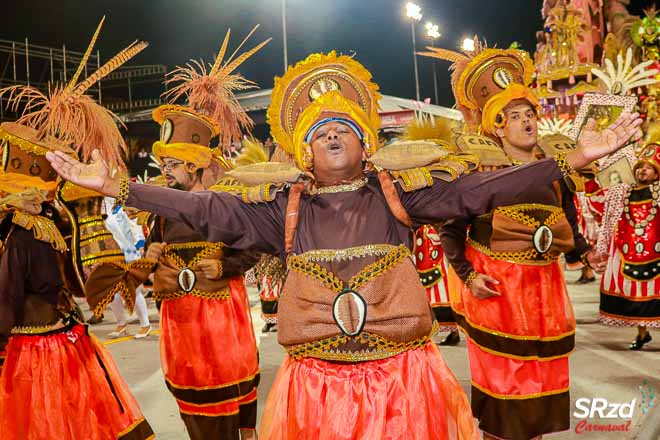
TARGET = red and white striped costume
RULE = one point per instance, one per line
(432, 268)
(630, 287)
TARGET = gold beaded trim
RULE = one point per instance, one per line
(35, 329)
(206, 249)
(525, 257)
(515, 212)
(223, 293)
(43, 228)
(123, 192)
(23, 144)
(95, 236)
(564, 166)
(334, 255)
(353, 186)
(415, 178)
(377, 268)
(470, 278)
(103, 256)
(83, 221)
(376, 347)
(298, 263)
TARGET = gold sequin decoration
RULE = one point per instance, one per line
(223, 293)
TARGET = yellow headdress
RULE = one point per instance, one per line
(487, 80)
(212, 107)
(320, 87)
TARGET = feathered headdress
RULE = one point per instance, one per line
(210, 91)
(626, 77)
(65, 113)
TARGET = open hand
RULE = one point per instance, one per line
(479, 286)
(94, 176)
(593, 143)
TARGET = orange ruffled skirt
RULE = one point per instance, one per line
(412, 396)
(209, 354)
(65, 386)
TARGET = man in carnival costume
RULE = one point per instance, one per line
(57, 381)
(353, 315)
(630, 288)
(208, 348)
(510, 297)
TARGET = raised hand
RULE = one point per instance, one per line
(593, 143)
(94, 175)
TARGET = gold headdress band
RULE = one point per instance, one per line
(487, 80)
(212, 108)
(320, 86)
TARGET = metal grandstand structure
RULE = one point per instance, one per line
(128, 89)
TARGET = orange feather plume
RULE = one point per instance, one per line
(67, 114)
(211, 90)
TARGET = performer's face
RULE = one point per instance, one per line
(337, 152)
(646, 174)
(520, 130)
(178, 174)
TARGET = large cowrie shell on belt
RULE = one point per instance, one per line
(187, 279)
(350, 312)
(542, 239)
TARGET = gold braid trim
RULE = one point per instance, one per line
(120, 288)
(375, 269)
(524, 257)
(23, 144)
(123, 192)
(331, 255)
(223, 293)
(206, 249)
(376, 347)
(109, 255)
(298, 264)
(43, 228)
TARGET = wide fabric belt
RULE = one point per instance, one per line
(382, 311)
(527, 234)
(176, 278)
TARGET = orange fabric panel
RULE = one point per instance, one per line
(207, 343)
(411, 396)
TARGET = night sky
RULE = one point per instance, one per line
(376, 30)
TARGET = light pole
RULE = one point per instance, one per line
(433, 33)
(414, 12)
(286, 54)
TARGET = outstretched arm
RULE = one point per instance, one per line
(218, 217)
(479, 193)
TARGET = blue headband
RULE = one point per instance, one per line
(345, 121)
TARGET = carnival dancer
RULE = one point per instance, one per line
(207, 343)
(630, 287)
(270, 273)
(353, 315)
(57, 380)
(511, 298)
(431, 266)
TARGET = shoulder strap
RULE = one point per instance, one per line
(392, 198)
(291, 216)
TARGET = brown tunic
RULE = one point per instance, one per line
(30, 283)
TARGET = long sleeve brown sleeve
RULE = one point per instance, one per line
(14, 265)
(478, 193)
(218, 217)
(581, 244)
(453, 234)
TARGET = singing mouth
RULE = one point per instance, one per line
(335, 147)
(529, 130)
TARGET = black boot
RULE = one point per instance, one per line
(640, 342)
(453, 338)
